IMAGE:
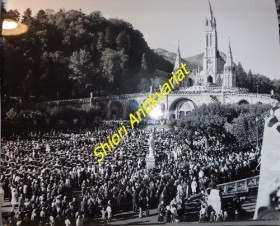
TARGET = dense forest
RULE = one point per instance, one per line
(245, 122)
(68, 54)
(256, 83)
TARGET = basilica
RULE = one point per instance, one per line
(213, 68)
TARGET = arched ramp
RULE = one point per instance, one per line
(131, 107)
(180, 107)
(115, 110)
(243, 102)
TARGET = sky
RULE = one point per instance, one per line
(252, 25)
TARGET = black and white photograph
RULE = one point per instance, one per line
(140, 112)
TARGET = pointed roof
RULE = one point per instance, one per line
(178, 59)
(229, 60)
(229, 49)
(210, 12)
(210, 19)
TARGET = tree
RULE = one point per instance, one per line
(100, 41)
(13, 14)
(41, 16)
(144, 85)
(121, 40)
(108, 37)
(113, 64)
(96, 18)
(261, 84)
(64, 36)
(241, 76)
(3, 10)
(144, 62)
(250, 76)
(28, 84)
(276, 84)
(81, 65)
(27, 16)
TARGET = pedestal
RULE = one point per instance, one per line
(150, 162)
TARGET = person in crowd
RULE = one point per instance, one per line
(104, 215)
(161, 212)
(109, 211)
(40, 168)
(147, 206)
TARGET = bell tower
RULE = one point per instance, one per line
(210, 48)
(229, 79)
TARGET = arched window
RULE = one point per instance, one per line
(210, 40)
(206, 40)
(210, 79)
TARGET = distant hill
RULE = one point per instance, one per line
(193, 62)
(197, 59)
(169, 56)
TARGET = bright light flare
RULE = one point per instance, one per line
(156, 113)
(12, 27)
(9, 24)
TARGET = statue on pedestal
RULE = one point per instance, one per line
(150, 158)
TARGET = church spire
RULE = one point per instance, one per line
(229, 61)
(229, 79)
(210, 20)
(229, 49)
(210, 12)
(178, 59)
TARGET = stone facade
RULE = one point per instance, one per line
(175, 105)
(217, 70)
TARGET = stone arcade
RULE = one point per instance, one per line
(212, 79)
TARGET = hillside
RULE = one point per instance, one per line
(170, 56)
(193, 62)
(69, 54)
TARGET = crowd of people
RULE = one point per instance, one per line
(52, 177)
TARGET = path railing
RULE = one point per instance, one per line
(239, 186)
